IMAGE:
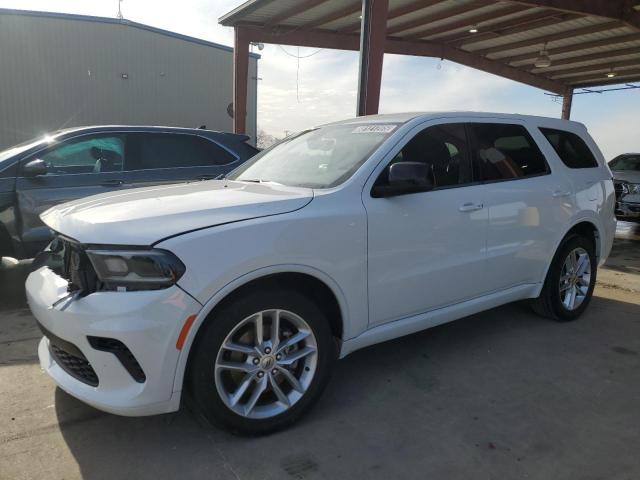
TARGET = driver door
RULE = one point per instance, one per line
(77, 167)
(427, 250)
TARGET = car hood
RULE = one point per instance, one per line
(626, 176)
(143, 216)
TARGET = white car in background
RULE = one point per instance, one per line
(239, 294)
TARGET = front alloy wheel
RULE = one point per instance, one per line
(260, 361)
(266, 364)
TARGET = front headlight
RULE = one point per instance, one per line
(124, 270)
(633, 188)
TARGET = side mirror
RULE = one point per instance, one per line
(34, 168)
(404, 177)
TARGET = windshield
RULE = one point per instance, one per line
(16, 149)
(626, 163)
(24, 146)
(319, 158)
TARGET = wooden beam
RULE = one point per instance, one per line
(576, 47)
(372, 39)
(616, 9)
(565, 62)
(607, 81)
(299, 7)
(497, 68)
(307, 38)
(240, 79)
(533, 21)
(602, 78)
(541, 40)
(468, 22)
(396, 12)
(594, 68)
(630, 15)
(437, 16)
(423, 48)
(351, 9)
(600, 8)
(567, 100)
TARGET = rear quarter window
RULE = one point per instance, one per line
(571, 149)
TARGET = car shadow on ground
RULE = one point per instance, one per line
(504, 394)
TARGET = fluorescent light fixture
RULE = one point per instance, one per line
(473, 29)
(543, 60)
(611, 74)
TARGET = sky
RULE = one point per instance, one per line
(295, 95)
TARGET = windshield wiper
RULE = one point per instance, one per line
(258, 180)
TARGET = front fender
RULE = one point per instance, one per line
(325, 240)
(234, 285)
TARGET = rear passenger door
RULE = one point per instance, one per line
(524, 202)
(157, 158)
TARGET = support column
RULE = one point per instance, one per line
(240, 78)
(567, 100)
(373, 32)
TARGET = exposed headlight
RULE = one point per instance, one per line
(124, 270)
(633, 187)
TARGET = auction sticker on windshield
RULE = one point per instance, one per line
(374, 129)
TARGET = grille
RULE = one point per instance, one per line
(70, 358)
(77, 367)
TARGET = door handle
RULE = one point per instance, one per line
(561, 193)
(470, 207)
(112, 183)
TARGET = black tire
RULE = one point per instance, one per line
(202, 394)
(549, 303)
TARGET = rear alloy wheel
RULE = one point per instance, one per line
(261, 361)
(569, 284)
(575, 279)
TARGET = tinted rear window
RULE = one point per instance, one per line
(571, 149)
(505, 151)
(173, 150)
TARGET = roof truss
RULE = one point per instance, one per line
(619, 9)
(516, 30)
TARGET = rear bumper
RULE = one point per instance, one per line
(147, 323)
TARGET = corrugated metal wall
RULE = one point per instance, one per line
(61, 72)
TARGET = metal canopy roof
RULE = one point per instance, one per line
(587, 40)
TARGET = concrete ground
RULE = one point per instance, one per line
(502, 394)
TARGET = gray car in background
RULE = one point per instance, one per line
(626, 179)
(79, 162)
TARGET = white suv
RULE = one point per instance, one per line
(239, 294)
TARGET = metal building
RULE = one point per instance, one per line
(60, 70)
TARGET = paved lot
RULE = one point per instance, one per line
(503, 394)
